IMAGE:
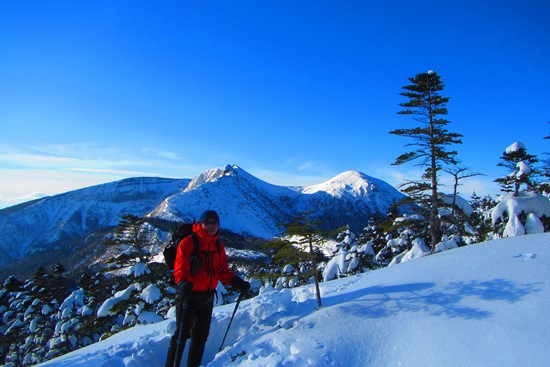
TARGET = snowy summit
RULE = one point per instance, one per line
(349, 182)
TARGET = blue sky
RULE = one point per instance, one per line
(294, 92)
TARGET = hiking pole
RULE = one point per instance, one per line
(230, 321)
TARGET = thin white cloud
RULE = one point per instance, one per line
(33, 160)
(20, 185)
(54, 169)
(112, 171)
(307, 166)
(88, 157)
(26, 197)
(164, 154)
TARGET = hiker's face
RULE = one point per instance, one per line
(211, 227)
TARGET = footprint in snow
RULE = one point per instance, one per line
(526, 256)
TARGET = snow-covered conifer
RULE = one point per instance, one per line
(521, 169)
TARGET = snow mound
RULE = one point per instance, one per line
(533, 205)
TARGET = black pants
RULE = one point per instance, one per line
(193, 318)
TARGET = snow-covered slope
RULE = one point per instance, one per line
(480, 305)
(356, 188)
(246, 204)
(59, 219)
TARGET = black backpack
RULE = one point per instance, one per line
(179, 233)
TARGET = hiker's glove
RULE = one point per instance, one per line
(183, 289)
(242, 285)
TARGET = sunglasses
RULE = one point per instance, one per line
(212, 222)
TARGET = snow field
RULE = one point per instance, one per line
(480, 305)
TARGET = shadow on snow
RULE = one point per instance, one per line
(452, 301)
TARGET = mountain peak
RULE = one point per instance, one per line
(347, 183)
(212, 175)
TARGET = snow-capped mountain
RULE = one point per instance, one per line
(250, 206)
(58, 226)
(64, 224)
(246, 204)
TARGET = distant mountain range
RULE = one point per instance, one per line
(70, 228)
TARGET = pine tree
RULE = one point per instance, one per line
(39, 273)
(307, 231)
(431, 140)
(371, 240)
(481, 217)
(129, 232)
(520, 166)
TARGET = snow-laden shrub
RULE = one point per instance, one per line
(510, 208)
(418, 249)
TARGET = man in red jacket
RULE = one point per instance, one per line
(196, 284)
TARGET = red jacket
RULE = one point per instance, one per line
(214, 262)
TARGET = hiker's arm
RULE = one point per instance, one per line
(181, 267)
(226, 275)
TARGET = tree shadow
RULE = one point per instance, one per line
(455, 300)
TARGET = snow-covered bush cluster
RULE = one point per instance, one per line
(49, 315)
(350, 257)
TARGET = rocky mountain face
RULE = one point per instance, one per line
(71, 228)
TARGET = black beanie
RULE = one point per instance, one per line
(209, 215)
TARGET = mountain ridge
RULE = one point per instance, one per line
(247, 205)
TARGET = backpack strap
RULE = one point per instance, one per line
(196, 244)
